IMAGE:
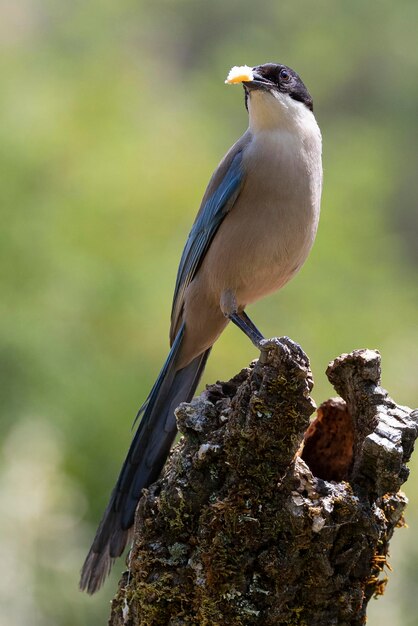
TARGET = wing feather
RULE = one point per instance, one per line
(219, 198)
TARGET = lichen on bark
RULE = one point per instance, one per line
(249, 526)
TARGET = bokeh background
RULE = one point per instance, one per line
(113, 116)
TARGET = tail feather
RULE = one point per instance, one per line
(146, 457)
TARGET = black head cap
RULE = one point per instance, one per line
(284, 79)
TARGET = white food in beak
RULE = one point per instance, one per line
(239, 74)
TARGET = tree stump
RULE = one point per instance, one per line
(263, 518)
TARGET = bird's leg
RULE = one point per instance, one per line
(250, 324)
(246, 325)
(240, 319)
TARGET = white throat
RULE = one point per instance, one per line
(272, 110)
(284, 155)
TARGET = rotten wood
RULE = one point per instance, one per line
(261, 518)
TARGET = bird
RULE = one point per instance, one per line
(255, 227)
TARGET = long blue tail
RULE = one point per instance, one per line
(143, 464)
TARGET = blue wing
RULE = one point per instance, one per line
(220, 196)
(215, 206)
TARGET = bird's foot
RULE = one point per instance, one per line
(265, 345)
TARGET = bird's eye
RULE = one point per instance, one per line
(284, 76)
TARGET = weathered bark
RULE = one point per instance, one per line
(245, 527)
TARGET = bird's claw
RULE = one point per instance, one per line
(265, 345)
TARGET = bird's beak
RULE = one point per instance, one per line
(258, 82)
(250, 78)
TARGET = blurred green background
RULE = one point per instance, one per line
(113, 116)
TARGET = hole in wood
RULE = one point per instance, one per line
(328, 442)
